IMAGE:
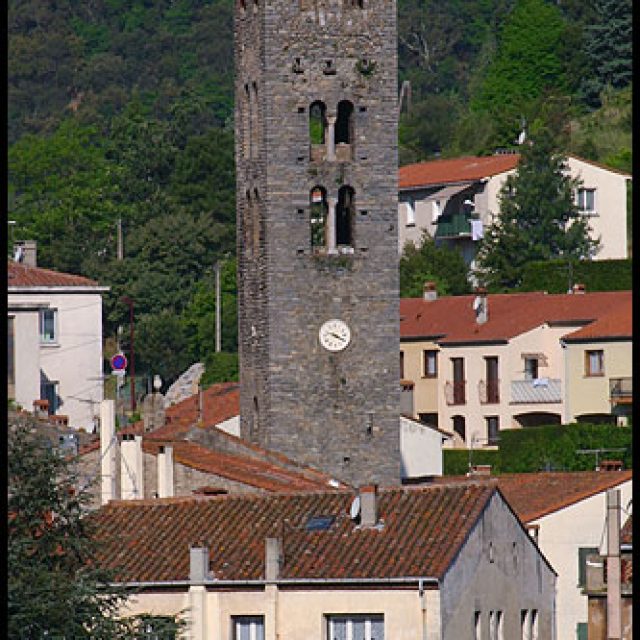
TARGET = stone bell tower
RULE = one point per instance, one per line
(316, 159)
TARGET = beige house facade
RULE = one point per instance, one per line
(55, 343)
(454, 200)
(439, 563)
(481, 364)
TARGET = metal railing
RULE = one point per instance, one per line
(621, 389)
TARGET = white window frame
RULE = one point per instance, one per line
(41, 319)
(594, 356)
(430, 355)
(411, 214)
(350, 619)
(581, 200)
(254, 622)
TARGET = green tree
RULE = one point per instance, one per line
(607, 48)
(429, 262)
(54, 589)
(538, 217)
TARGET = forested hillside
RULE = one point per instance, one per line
(123, 110)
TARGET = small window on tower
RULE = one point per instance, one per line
(344, 134)
(317, 123)
(318, 217)
(345, 210)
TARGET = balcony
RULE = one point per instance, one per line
(536, 391)
(453, 226)
(621, 390)
(455, 392)
(489, 391)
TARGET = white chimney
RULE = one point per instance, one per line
(165, 472)
(131, 467)
(273, 559)
(429, 291)
(614, 578)
(26, 252)
(108, 450)
(481, 305)
(198, 564)
(369, 505)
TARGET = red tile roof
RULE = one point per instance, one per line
(21, 275)
(423, 530)
(451, 319)
(617, 323)
(534, 495)
(453, 170)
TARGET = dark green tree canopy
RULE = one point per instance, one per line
(538, 217)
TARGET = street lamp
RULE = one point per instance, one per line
(132, 373)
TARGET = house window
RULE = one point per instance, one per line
(459, 426)
(401, 365)
(11, 376)
(355, 627)
(49, 391)
(493, 429)
(436, 210)
(594, 363)
(48, 329)
(530, 368)
(583, 552)
(492, 380)
(586, 201)
(248, 627)
(411, 214)
(459, 396)
(430, 363)
(582, 631)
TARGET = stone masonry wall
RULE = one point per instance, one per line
(336, 411)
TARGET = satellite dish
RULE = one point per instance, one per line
(354, 512)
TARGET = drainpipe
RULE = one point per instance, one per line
(614, 597)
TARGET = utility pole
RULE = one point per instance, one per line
(132, 374)
(120, 252)
(218, 315)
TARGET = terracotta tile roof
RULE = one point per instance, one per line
(252, 472)
(450, 170)
(467, 169)
(534, 495)
(617, 323)
(21, 275)
(423, 530)
(451, 319)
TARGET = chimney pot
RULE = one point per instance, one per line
(429, 291)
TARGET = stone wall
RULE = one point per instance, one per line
(336, 411)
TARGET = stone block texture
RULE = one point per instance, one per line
(335, 411)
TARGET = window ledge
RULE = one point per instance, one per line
(49, 344)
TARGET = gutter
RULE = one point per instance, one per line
(420, 581)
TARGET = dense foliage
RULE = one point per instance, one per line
(121, 112)
(54, 589)
(546, 448)
(538, 217)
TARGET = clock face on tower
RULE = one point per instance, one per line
(334, 335)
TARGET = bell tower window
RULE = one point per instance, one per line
(317, 129)
(345, 211)
(319, 209)
(344, 133)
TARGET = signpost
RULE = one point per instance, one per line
(118, 368)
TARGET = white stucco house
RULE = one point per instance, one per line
(55, 342)
(563, 512)
(436, 563)
(455, 199)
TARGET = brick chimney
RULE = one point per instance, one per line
(369, 505)
(429, 291)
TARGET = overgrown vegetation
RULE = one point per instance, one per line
(546, 448)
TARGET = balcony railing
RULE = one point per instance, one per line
(453, 226)
(621, 390)
(489, 391)
(454, 392)
(536, 391)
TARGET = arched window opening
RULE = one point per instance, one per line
(255, 224)
(254, 120)
(246, 122)
(317, 122)
(345, 215)
(459, 427)
(318, 216)
(246, 224)
(344, 123)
